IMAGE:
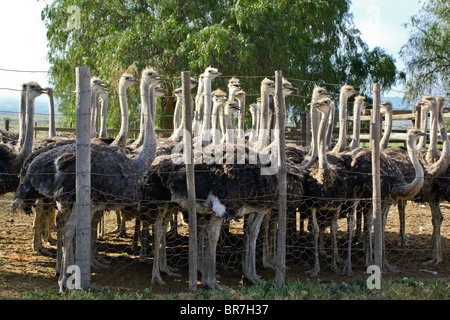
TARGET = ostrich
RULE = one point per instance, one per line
(106, 193)
(345, 93)
(267, 88)
(434, 172)
(209, 74)
(325, 189)
(318, 94)
(177, 124)
(150, 101)
(125, 82)
(12, 161)
(96, 88)
(234, 85)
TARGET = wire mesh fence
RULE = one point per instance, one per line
(130, 242)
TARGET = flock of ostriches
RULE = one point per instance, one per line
(138, 179)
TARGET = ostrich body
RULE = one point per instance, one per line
(107, 193)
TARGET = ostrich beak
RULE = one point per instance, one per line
(317, 104)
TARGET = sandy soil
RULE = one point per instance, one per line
(23, 270)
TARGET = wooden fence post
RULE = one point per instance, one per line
(280, 272)
(83, 176)
(375, 145)
(190, 178)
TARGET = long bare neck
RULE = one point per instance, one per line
(122, 137)
(323, 161)
(241, 123)
(177, 114)
(407, 191)
(28, 142)
(356, 125)
(264, 130)
(208, 108)
(424, 127)
(216, 133)
(433, 152)
(104, 115)
(22, 116)
(342, 140)
(199, 108)
(387, 130)
(439, 167)
(148, 150)
(94, 105)
(51, 111)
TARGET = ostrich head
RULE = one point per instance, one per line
(287, 87)
(320, 93)
(386, 107)
(268, 86)
(428, 103)
(160, 92)
(151, 76)
(177, 92)
(97, 85)
(234, 85)
(127, 80)
(323, 105)
(219, 95)
(348, 90)
(240, 95)
(34, 89)
(193, 83)
(210, 73)
(231, 107)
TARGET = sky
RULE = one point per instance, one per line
(24, 42)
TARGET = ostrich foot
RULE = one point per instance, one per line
(347, 270)
(390, 268)
(157, 278)
(46, 252)
(403, 243)
(98, 264)
(254, 278)
(171, 272)
(313, 272)
(336, 270)
(434, 261)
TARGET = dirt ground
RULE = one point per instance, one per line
(23, 270)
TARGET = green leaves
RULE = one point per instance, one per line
(306, 39)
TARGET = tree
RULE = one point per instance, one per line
(427, 52)
(308, 40)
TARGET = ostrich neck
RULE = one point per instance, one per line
(264, 132)
(423, 126)
(22, 117)
(356, 125)
(241, 123)
(121, 138)
(94, 99)
(217, 107)
(199, 106)
(104, 113)
(28, 142)
(323, 161)
(207, 115)
(177, 115)
(408, 191)
(51, 111)
(439, 167)
(387, 130)
(342, 140)
(433, 153)
(148, 151)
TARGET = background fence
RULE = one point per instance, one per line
(121, 256)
